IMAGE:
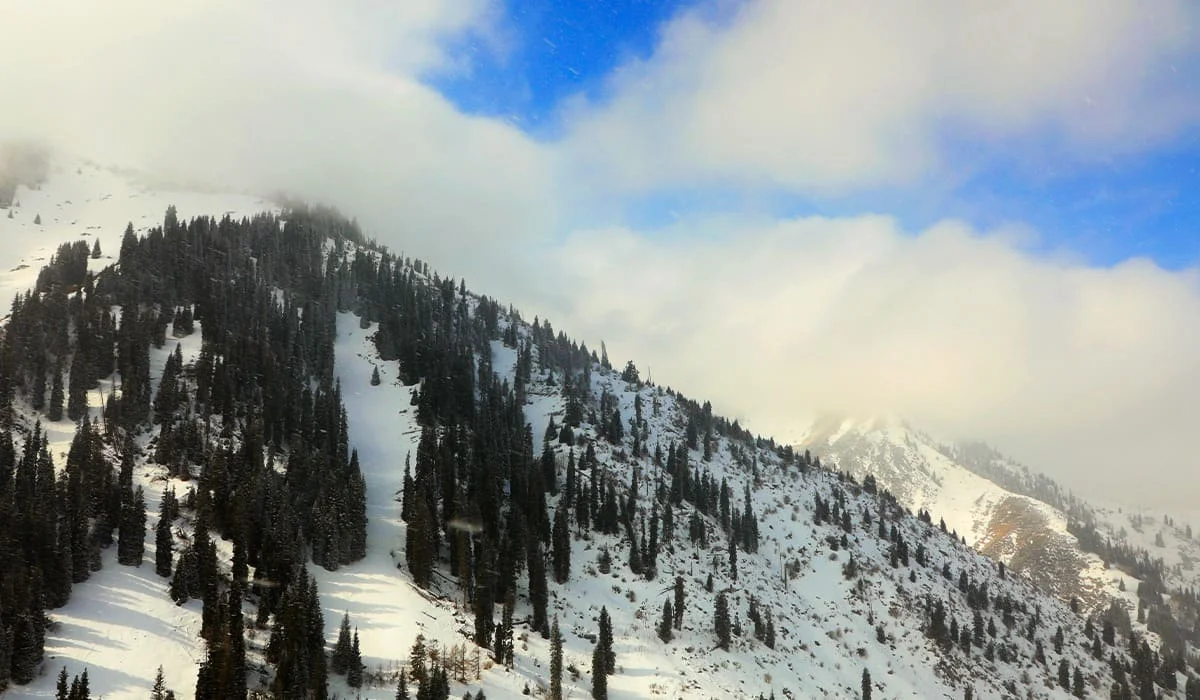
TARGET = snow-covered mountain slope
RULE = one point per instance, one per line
(850, 582)
(1027, 534)
(84, 201)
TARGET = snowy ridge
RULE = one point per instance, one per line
(835, 619)
(1028, 534)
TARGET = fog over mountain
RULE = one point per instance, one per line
(1084, 370)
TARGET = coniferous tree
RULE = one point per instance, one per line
(562, 545)
(606, 642)
(420, 540)
(83, 691)
(417, 669)
(354, 669)
(37, 393)
(339, 661)
(26, 649)
(77, 387)
(504, 641)
(159, 691)
(164, 541)
(54, 411)
(556, 661)
(666, 625)
(721, 621)
(297, 642)
(679, 600)
(599, 674)
(183, 581)
(866, 685)
(539, 595)
(132, 544)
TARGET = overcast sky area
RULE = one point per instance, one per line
(978, 216)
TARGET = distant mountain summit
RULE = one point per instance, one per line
(979, 494)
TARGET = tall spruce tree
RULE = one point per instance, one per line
(556, 661)
(164, 543)
(721, 621)
(131, 546)
(599, 674)
(562, 544)
(605, 642)
(54, 411)
(354, 665)
(339, 661)
(666, 625)
(680, 597)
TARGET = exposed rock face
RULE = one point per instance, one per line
(1029, 536)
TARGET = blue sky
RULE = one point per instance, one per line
(553, 49)
(1140, 204)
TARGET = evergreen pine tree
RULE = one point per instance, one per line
(54, 411)
(85, 692)
(354, 668)
(77, 387)
(721, 621)
(599, 674)
(416, 660)
(26, 649)
(159, 691)
(866, 685)
(181, 581)
(234, 648)
(131, 546)
(340, 660)
(606, 641)
(556, 661)
(164, 544)
(666, 625)
(539, 594)
(679, 600)
(562, 544)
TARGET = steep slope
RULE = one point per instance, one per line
(1028, 535)
(840, 578)
(85, 201)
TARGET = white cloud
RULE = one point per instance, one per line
(1089, 374)
(828, 97)
(1086, 373)
(315, 98)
